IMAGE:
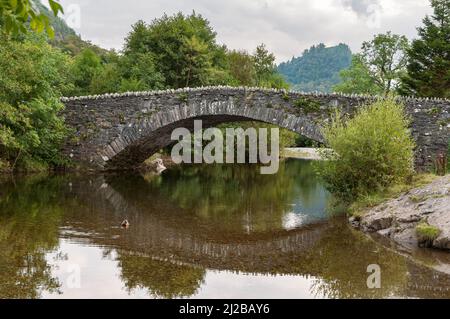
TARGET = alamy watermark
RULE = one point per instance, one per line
(72, 15)
(233, 148)
(374, 279)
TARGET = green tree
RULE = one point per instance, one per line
(357, 79)
(106, 80)
(139, 73)
(264, 63)
(85, 67)
(197, 61)
(183, 48)
(16, 15)
(428, 70)
(33, 76)
(380, 65)
(242, 67)
(385, 57)
(265, 69)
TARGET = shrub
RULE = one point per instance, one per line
(370, 151)
(307, 105)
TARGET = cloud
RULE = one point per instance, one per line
(287, 27)
(361, 7)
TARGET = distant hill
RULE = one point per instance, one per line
(317, 69)
(62, 30)
(65, 37)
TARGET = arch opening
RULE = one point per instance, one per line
(150, 142)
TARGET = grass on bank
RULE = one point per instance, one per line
(426, 232)
(360, 205)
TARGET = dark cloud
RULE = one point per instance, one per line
(361, 7)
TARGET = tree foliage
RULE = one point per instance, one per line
(428, 70)
(369, 152)
(171, 52)
(16, 15)
(378, 68)
(185, 53)
(183, 48)
(33, 77)
(242, 67)
(357, 79)
(385, 58)
(318, 68)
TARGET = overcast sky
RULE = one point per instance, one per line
(287, 27)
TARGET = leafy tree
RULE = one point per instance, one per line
(385, 57)
(183, 48)
(139, 73)
(242, 67)
(379, 66)
(264, 63)
(357, 79)
(185, 53)
(197, 61)
(106, 80)
(428, 70)
(265, 69)
(85, 67)
(33, 76)
(15, 15)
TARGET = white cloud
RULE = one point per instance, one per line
(287, 26)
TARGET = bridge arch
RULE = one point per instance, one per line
(145, 137)
(119, 131)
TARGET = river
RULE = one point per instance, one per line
(218, 231)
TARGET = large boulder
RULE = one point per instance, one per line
(399, 217)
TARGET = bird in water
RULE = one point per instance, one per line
(125, 224)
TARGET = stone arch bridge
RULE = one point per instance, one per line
(120, 131)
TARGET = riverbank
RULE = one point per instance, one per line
(301, 153)
(416, 218)
(305, 153)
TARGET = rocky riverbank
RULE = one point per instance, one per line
(419, 217)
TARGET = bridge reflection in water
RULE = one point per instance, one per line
(195, 221)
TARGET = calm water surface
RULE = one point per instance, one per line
(199, 232)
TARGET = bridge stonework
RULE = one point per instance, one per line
(120, 131)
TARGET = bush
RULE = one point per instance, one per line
(370, 151)
(32, 77)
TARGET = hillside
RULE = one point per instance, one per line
(317, 69)
(65, 37)
(62, 30)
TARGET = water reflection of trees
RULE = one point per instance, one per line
(163, 279)
(29, 219)
(236, 197)
(168, 248)
(341, 257)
